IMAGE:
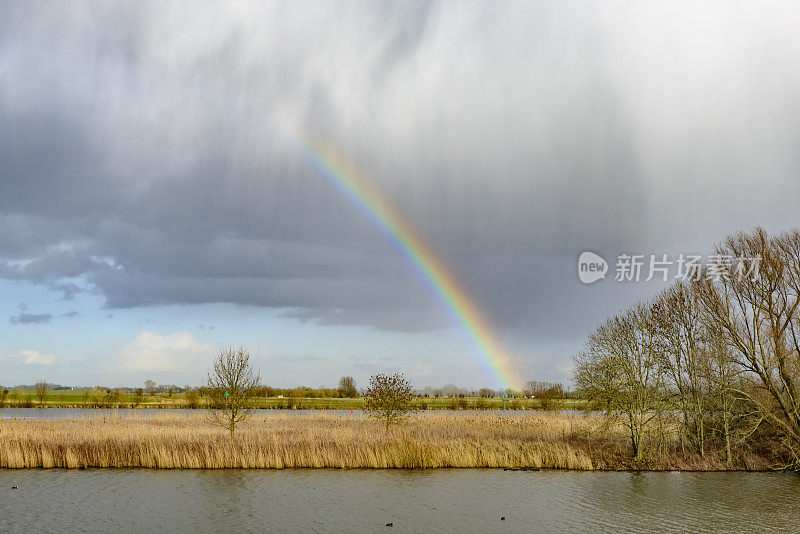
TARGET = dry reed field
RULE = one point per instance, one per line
(312, 441)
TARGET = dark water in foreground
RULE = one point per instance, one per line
(448, 500)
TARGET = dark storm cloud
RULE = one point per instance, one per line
(148, 155)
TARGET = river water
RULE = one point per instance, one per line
(446, 500)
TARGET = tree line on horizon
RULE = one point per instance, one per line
(347, 388)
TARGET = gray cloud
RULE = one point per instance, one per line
(301, 358)
(30, 318)
(149, 157)
(36, 318)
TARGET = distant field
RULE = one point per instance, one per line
(98, 399)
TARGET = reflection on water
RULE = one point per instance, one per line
(460, 500)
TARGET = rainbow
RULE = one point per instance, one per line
(375, 206)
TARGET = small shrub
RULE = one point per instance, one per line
(26, 402)
(193, 399)
(99, 401)
(138, 396)
(549, 400)
(457, 403)
(110, 397)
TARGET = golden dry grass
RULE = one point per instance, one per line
(312, 441)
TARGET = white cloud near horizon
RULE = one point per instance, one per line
(171, 355)
(29, 357)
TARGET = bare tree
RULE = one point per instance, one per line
(150, 386)
(389, 398)
(618, 372)
(681, 343)
(41, 391)
(347, 387)
(232, 385)
(721, 375)
(755, 313)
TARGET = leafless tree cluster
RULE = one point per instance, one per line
(717, 356)
(41, 391)
(538, 388)
(347, 387)
(549, 394)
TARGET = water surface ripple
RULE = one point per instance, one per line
(445, 500)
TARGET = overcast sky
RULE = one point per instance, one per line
(156, 203)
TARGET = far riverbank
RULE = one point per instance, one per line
(116, 400)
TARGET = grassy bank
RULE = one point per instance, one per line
(428, 440)
(122, 400)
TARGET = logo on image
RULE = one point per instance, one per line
(591, 267)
